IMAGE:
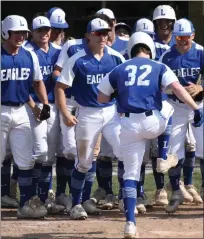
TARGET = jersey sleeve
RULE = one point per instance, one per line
(108, 84)
(167, 76)
(37, 75)
(63, 56)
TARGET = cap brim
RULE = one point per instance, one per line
(61, 26)
(182, 34)
(41, 27)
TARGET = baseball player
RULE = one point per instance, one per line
(45, 133)
(146, 116)
(20, 72)
(65, 166)
(123, 30)
(85, 70)
(186, 59)
(59, 25)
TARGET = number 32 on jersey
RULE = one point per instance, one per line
(141, 79)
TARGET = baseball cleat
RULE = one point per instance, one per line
(164, 165)
(109, 202)
(13, 189)
(202, 193)
(176, 199)
(140, 206)
(65, 201)
(121, 207)
(193, 192)
(99, 194)
(51, 206)
(9, 202)
(90, 207)
(30, 210)
(130, 230)
(78, 213)
(161, 197)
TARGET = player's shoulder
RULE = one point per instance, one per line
(27, 45)
(162, 46)
(166, 54)
(198, 46)
(79, 56)
(54, 45)
(73, 42)
(115, 53)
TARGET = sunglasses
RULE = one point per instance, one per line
(183, 38)
(101, 33)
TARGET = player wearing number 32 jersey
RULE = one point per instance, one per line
(139, 83)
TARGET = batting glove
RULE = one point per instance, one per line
(198, 117)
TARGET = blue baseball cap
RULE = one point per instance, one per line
(97, 24)
(57, 18)
(183, 27)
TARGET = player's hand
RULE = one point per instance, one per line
(193, 89)
(70, 120)
(45, 113)
(36, 111)
(198, 117)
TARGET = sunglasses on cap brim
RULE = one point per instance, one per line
(183, 38)
(101, 33)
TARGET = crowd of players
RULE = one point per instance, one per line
(69, 127)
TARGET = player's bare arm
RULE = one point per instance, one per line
(35, 109)
(69, 120)
(102, 98)
(40, 90)
(56, 72)
(194, 89)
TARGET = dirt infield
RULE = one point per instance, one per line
(186, 223)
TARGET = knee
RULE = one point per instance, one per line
(83, 167)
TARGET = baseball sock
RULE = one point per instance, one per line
(50, 185)
(89, 180)
(77, 185)
(68, 167)
(175, 174)
(163, 141)
(14, 175)
(5, 177)
(120, 178)
(36, 176)
(104, 174)
(158, 177)
(129, 199)
(188, 167)
(202, 170)
(25, 185)
(140, 184)
(61, 179)
(44, 182)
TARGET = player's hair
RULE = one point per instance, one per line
(140, 48)
(103, 17)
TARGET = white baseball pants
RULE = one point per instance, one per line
(92, 122)
(16, 131)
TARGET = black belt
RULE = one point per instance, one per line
(147, 113)
(12, 104)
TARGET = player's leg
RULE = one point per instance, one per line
(22, 154)
(14, 179)
(6, 122)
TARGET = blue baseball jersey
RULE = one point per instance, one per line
(70, 48)
(85, 72)
(17, 75)
(47, 61)
(120, 45)
(138, 82)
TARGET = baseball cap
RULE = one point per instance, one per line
(40, 22)
(107, 12)
(144, 25)
(57, 18)
(164, 12)
(183, 27)
(97, 24)
(124, 25)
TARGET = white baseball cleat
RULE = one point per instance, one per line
(78, 213)
(130, 230)
(121, 207)
(161, 197)
(140, 205)
(90, 207)
(193, 192)
(202, 193)
(30, 210)
(109, 202)
(51, 206)
(176, 199)
(9, 202)
(164, 165)
(65, 201)
(99, 194)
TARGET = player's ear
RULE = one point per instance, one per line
(193, 36)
